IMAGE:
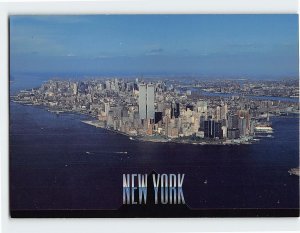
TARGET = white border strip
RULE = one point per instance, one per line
(152, 7)
(124, 7)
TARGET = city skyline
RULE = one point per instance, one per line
(251, 46)
(107, 110)
(169, 111)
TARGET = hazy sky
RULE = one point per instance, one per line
(221, 45)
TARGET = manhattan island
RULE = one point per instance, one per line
(170, 110)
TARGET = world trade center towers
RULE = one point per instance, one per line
(146, 101)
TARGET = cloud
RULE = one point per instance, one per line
(29, 44)
(71, 55)
(111, 56)
(102, 56)
(154, 52)
(246, 46)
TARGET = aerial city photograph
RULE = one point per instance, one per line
(154, 115)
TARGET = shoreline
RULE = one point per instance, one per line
(294, 171)
(143, 138)
(99, 124)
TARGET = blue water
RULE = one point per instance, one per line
(50, 169)
(28, 81)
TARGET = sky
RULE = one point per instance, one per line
(252, 46)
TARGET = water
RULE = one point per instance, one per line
(228, 95)
(50, 169)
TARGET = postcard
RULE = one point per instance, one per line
(172, 115)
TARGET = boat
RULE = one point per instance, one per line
(121, 152)
(264, 129)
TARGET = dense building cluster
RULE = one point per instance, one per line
(157, 108)
(283, 88)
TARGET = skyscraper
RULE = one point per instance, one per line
(233, 131)
(146, 101)
(175, 112)
(150, 101)
(202, 119)
(212, 129)
(243, 126)
(218, 130)
(244, 122)
(75, 88)
(143, 101)
(106, 108)
(158, 117)
(233, 121)
(202, 107)
(209, 128)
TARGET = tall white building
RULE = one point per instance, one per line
(143, 101)
(202, 107)
(146, 101)
(108, 84)
(75, 88)
(150, 101)
(106, 108)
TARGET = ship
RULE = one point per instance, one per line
(264, 126)
(263, 129)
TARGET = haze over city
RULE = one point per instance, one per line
(251, 46)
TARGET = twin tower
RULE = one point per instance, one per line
(146, 101)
